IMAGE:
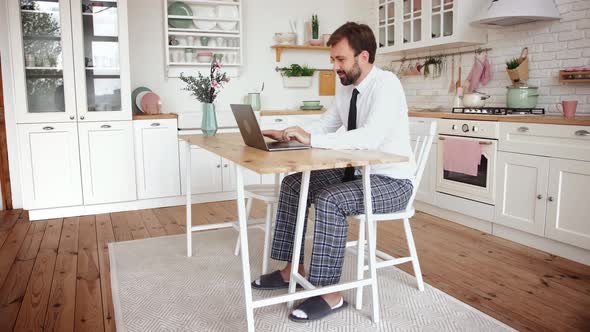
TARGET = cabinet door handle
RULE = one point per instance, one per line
(155, 124)
(225, 166)
(72, 117)
(218, 166)
(523, 129)
(105, 126)
(539, 196)
(550, 199)
(82, 117)
(582, 133)
(48, 128)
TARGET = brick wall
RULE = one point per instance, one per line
(552, 46)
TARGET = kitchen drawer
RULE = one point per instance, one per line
(569, 142)
(420, 127)
(274, 122)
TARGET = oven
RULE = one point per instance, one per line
(480, 187)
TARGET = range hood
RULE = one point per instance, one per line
(511, 12)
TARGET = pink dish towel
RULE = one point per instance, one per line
(461, 156)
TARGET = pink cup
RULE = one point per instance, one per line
(568, 108)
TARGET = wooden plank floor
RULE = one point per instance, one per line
(54, 274)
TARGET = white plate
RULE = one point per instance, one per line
(204, 25)
(204, 11)
(227, 11)
(227, 26)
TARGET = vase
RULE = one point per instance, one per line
(209, 120)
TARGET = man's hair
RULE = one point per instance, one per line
(360, 38)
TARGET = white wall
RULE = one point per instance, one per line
(262, 18)
(552, 46)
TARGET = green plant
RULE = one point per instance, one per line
(315, 27)
(438, 66)
(296, 70)
(206, 89)
(512, 63)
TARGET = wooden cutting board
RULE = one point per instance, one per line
(327, 83)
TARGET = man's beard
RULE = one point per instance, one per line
(350, 76)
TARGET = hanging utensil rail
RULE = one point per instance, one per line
(478, 51)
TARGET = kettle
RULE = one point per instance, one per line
(475, 99)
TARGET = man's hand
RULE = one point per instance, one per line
(277, 135)
(297, 134)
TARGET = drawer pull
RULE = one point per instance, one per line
(48, 128)
(539, 196)
(582, 133)
(278, 120)
(523, 129)
(155, 124)
(105, 126)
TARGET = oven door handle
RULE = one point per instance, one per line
(480, 142)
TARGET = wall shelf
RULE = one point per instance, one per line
(580, 76)
(280, 48)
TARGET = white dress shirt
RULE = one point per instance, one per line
(382, 122)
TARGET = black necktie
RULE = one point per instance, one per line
(349, 171)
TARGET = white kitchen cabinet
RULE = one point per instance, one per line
(156, 158)
(107, 162)
(568, 211)
(71, 60)
(229, 176)
(49, 159)
(419, 24)
(521, 194)
(427, 186)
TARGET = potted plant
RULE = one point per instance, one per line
(433, 67)
(206, 89)
(297, 76)
(315, 32)
(518, 68)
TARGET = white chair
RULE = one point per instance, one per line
(421, 152)
(268, 193)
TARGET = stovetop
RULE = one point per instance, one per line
(499, 111)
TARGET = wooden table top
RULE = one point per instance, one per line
(232, 147)
(155, 116)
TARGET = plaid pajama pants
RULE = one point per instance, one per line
(333, 200)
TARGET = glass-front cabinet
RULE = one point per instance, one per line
(422, 24)
(73, 61)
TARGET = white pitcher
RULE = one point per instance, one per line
(298, 27)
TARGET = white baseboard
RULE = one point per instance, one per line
(544, 244)
(84, 210)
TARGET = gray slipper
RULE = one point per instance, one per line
(315, 308)
(271, 281)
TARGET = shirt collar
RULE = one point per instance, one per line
(363, 85)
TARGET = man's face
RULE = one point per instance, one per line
(345, 62)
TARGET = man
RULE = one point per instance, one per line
(371, 105)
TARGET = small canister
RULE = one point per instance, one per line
(521, 96)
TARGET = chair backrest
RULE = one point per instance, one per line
(421, 153)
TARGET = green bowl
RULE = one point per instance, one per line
(311, 103)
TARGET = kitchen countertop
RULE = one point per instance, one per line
(155, 116)
(546, 119)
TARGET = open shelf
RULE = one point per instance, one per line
(280, 48)
(564, 76)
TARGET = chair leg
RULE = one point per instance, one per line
(248, 209)
(360, 263)
(413, 254)
(269, 210)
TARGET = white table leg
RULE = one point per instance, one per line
(372, 237)
(299, 231)
(243, 221)
(189, 244)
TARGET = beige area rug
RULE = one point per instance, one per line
(157, 288)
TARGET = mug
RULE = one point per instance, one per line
(254, 100)
(220, 41)
(204, 40)
(568, 108)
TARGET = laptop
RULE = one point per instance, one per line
(252, 134)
